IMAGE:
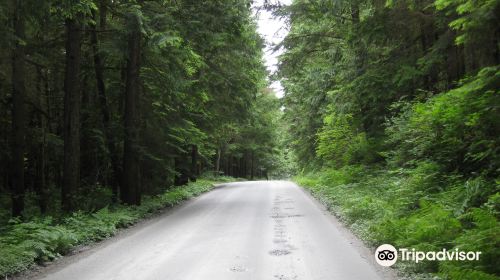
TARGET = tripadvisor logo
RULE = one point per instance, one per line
(387, 255)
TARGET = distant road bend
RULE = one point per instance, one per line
(248, 230)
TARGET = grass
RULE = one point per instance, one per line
(416, 209)
(24, 244)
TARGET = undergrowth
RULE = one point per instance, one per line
(418, 209)
(23, 244)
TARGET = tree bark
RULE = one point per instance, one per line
(18, 114)
(251, 165)
(244, 165)
(455, 64)
(194, 161)
(89, 164)
(72, 100)
(130, 192)
(40, 182)
(226, 165)
(103, 100)
(427, 38)
(217, 162)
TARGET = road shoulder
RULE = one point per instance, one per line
(364, 251)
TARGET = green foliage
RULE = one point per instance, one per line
(203, 99)
(23, 244)
(339, 142)
(72, 9)
(456, 129)
(35, 241)
(414, 83)
(456, 272)
(404, 208)
(475, 18)
(482, 234)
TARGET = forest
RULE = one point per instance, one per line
(393, 114)
(121, 99)
(108, 104)
(111, 110)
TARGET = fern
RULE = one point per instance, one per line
(404, 208)
(25, 244)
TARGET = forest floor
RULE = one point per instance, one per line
(246, 230)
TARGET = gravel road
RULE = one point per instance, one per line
(269, 230)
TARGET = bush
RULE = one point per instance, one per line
(457, 129)
(416, 208)
(36, 241)
(42, 239)
(484, 236)
(340, 144)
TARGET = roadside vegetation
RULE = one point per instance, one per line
(395, 207)
(46, 238)
(394, 122)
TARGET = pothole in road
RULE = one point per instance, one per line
(277, 241)
(284, 277)
(278, 252)
(278, 216)
(238, 268)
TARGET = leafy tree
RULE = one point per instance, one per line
(125, 98)
(403, 88)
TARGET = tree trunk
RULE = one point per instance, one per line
(130, 192)
(455, 65)
(105, 111)
(18, 122)
(244, 165)
(89, 165)
(237, 168)
(72, 100)
(180, 167)
(226, 165)
(217, 162)
(194, 160)
(251, 166)
(427, 37)
(40, 184)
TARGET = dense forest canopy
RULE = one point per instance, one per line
(393, 117)
(362, 78)
(124, 98)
